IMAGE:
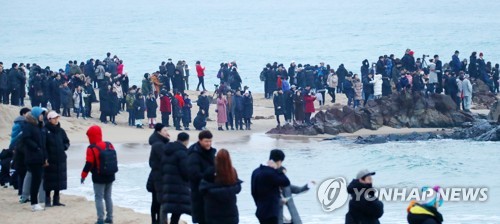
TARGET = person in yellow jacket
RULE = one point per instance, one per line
(426, 211)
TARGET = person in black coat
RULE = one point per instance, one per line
(175, 193)
(56, 177)
(157, 140)
(266, 184)
(15, 80)
(114, 105)
(200, 121)
(279, 105)
(178, 82)
(204, 103)
(238, 110)
(368, 209)
(386, 86)
(55, 94)
(201, 158)
(151, 106)
(104, 103)
(140, 108)
(219, 189)
(247, 109)
(34, 141)
(288, 106)
(66, 99)
(235, 80)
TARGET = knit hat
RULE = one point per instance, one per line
(411, 53)
(158, 127)
(480, 54)
(430, 196)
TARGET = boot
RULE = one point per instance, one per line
(57, 202)
(47, 202)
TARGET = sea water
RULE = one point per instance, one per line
(252, 33)
(446, 163)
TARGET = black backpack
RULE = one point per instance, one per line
(108, 160)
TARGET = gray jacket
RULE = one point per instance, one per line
(467, 88)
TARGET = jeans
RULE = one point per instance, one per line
(201, 81)
(186, 79)
(131, 117)
(467, 102)
(331, 92)
(80, 111)
(165, 118)
(103, 192)
(36, 182)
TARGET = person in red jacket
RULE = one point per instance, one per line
(180, 99)
(102, 183)
(165, 108)
(201, 76)
(309, 102)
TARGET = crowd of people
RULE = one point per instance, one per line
(294, 90)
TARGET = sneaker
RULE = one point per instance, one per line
(106, 221)
(23, 200)
(37, 208)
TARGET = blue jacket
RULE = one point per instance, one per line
(16, 130)
(266, 183)
(455, 63)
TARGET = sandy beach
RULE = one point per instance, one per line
(82, 210)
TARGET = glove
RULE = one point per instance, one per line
(82, 181)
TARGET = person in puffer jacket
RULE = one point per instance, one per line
(426, 211)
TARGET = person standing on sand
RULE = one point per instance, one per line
(56, 178)
(247, 109)
(365, 209)
(186, 112)
(102, 179)
(130, 107)
(266, 183)
(157, 140)
(230, 108)
(221, 111)
(174, 180)
(140, 108)
(200, 70)
(34, 140)
(219, 188)
(201, 158)
(165, 108)
(151, 106)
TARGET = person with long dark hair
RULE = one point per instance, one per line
(219, 190)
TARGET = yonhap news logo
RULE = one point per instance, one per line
(332, 193)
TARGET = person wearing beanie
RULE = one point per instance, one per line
(173, 192)
(266, 183)
(426, 210)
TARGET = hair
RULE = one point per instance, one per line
(198, 62)
(277, 155)
(183, 136)
(23, 111)
(205, 135)
(224, 170)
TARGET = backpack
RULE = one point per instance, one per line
(108, 160)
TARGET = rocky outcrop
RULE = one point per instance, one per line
(411, 110)
(482, 97)
(379, 139)
(494, 114)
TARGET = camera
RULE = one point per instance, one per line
(425, 56)
(216, 86)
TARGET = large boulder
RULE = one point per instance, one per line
(482, 97)
(494, 114)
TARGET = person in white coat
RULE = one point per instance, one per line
(332, 82)
(467, 92)
(79, 102)
(377, 86)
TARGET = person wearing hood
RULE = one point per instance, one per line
(200, 159)
(265, 187)
(173, 183)
(103, 182)
(426, 211)
(34, 141)
(342, 74)
(56, 177)
(366, 208)
(368, 88)
(377, 86)
(219, 188)
(157, 140)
